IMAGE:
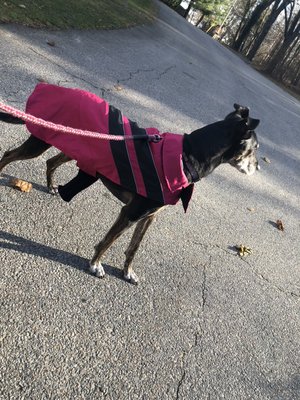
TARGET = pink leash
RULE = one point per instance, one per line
(66, 129)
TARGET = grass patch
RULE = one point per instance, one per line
(79, 14)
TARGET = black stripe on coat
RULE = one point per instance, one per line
(146, 164)
(119, 150)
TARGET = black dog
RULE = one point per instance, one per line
(231, 140)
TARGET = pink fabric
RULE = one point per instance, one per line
(83, 110)
(78, 109)
(168, 161)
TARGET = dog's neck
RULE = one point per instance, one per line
(204, 149)
(190, 170)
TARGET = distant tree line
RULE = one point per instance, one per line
(267, 32)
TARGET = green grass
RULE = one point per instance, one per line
(79, 14)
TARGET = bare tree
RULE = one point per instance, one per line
(245, 13)
(295, 81)
(278, 7)
(290, 41)
(251, 22)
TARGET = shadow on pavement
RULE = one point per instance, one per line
(12, 242)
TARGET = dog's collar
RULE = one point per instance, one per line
(189, 168)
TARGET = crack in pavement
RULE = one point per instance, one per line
(103, 90)
(184, 358)
(199, 332)
(260, 275)
(204, 288)
(140, 70)
(251, 268)
(165, 71)
(180, 384)
(131, 74)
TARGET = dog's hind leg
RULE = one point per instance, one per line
(52, 164)
(31, 148)
(135, 242)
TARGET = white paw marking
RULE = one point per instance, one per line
(131, 277)
(97, 269)
(53, 190)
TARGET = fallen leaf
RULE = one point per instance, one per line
(118, 87)
(50, 43)
(23, 186)
(279, 225)
(243, 250)
(266, 160)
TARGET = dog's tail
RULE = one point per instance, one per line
(10, 119)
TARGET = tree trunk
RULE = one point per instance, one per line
(292, 33)
(242, 22)
(246, 46)
(278, 7)
(279, 56)
(295, 80)
(254, 17)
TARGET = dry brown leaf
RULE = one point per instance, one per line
(279, 225)
(23, 186)
(118, 87)
(243, 250)
(266, 160)
(50, 43)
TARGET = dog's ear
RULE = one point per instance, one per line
(252, 123)
(243, 111)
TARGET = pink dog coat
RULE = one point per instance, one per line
(153, 170)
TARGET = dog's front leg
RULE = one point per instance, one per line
(135, 242)
(122, 223)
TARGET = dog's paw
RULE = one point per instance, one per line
(53, 190)
(131, 277)
(97, 270)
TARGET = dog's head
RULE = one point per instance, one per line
(242, 155)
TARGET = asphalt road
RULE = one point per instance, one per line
(203, 322)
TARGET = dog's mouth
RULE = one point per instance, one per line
(246, 166)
